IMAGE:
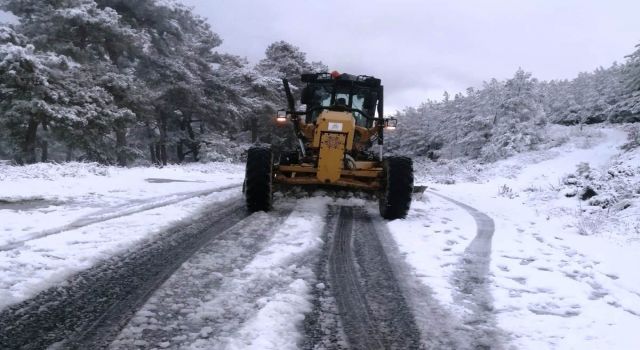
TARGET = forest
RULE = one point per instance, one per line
(120, 82)
(133, 83)
(503, 118)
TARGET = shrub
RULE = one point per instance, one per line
(633, 138)
(506, 191)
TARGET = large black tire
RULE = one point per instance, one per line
(258, 179)
(397, 187)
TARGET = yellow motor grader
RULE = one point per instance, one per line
(337, 134)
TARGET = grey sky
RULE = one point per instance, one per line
(422, 48)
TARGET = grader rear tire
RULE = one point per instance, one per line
(258, 179)
(395, 197)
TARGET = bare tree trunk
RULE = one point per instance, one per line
(163, 154)
(152, 153)
(153, 150)
(195, 151)
(45, 151)
(180, 146)
(180, 151)
(69, 156)
(194, 145)
(121, 145)
(163, 141)
(158, 155)
(29, 146)
(44, 144)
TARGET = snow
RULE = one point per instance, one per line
(60, 219)
(64, 194)
(561, 273)
(434, 222)
(276, 324)
(551, 287)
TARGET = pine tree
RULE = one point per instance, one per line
(282, 60)
(632, 71)
(628, 108)
(103, 51)
(519, 118)
(176, 67)
(153, 57)
(27, 95)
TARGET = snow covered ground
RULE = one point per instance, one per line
(548, 270)
(562, 274)
(61, 219)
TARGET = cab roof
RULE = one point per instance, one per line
(340, 79)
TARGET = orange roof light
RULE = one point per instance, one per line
(335, 74)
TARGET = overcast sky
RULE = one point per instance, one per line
(420, 48)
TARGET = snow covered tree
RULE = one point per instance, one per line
(518, 120)
(26, 93)
(148, 74)
(284, 60)
(505, 117)
(490, 123)
(95, 39)
(632, 70)
(176, 67)
(46, 97)
(147, 55)
(628, 108)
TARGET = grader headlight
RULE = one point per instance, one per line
(281, 117)
(390, 123)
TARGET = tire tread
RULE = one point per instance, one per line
(258, 181)
(395, 200)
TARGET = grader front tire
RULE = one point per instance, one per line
(258, 190)
(395, 197)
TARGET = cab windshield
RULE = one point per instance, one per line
(323, 96)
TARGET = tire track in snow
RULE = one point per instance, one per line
(356, 312)
(372, 311)
(121, 211)
(471, 281)
(112, 291)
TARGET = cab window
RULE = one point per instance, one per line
(358, 103)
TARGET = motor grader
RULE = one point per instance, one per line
(339, 143)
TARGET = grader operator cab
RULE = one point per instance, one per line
(339, 144)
